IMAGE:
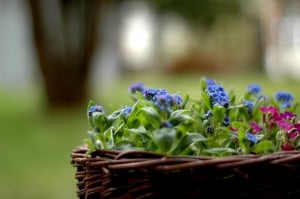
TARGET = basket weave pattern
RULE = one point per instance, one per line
(137, 174)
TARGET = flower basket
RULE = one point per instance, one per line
(245, 148)
(136, 174)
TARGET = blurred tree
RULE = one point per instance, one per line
(202, 16)
(65, 36)
(203, 12)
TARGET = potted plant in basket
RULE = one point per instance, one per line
(148, 149)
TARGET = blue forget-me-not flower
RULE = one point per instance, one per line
(285, 99)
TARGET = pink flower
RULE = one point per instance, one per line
(294, 131)
(297, 127)
(270, 110)
(293, 134)
(270, 115)
(255, 127)
(287, 147)
(284, 125)
(288, 115)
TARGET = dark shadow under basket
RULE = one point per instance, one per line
(136, 174)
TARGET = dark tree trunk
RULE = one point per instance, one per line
(65, 36)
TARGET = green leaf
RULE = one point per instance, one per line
(206, 100)
(203, 84)
(140, 136)
(99, 120)
(218, 114)
(114, 115)
(100, 144)
(109, 137)
(232, 97)
(141, 131)
(164, 138)
(149, 117)
(180, 116)
(221, 151)
(195, 137)
(92, 137)
(264, 146)
(89, 145)
(133, 120)
(187, 141)
(149, 111)
(185, 101)
(125, 145)
(90, 104)
(239, 125)
(244, 144)
(223, 136)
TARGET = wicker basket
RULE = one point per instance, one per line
(136, 174)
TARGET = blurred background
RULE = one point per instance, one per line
(57, 55)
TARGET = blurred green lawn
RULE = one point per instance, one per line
(36, 145)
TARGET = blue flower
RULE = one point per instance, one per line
(284, 98)
(178, 99)
(95, 108)
(226, 121)
(254, 89)
(249, 105)
(208, 114)
(166, 101)
(161, 98)
(218, 95)
(252, 138)
(96, 116)
(152, 93)
(210, 82)
(137, 87)
(126, 110)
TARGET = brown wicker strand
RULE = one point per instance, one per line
(142, 175)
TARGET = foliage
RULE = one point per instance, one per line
(219, 123)
(205, 11)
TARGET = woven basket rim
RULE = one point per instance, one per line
(117, 160)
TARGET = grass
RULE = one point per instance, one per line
(35, 147)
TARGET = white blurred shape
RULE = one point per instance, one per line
(282, 53)
(138, 32)
(16, 51)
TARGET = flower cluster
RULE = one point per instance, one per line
(217, 94)
(160, 97)
(217, 123)
(285, 99)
